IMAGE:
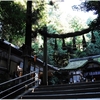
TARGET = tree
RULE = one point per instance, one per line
(91, 6)
(93, 48)
(13, 19)
(60, 58)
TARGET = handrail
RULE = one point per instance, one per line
(15, 91)
(18, 78)
(14, 86)
(25, 84)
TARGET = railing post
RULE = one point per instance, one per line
(39, 76)
(35, 58)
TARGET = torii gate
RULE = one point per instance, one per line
(27, 51)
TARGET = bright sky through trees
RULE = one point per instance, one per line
(66, 8)
(66, 12)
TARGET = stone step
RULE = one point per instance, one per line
(67, 87)
(82, 90)
(80, 83)
(67, 91)
(64, 96)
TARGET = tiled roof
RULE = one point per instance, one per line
(80, 62)
(75, 64)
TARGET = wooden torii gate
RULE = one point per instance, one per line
(27, 51)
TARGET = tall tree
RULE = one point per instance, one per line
(91, 6)
(12, 17)
(93, 47)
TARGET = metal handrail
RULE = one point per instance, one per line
(15, 86)
(16, 90)
(18, 78)
(24, 82)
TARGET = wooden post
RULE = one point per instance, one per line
(45, 67)
(27, 50)
(9, 53)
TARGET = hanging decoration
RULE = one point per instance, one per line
(92, 37)
(74, 44)
(84, 42)
(63, 44)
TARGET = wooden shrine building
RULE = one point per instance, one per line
(87, 68)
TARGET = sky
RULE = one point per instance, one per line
(66, 7)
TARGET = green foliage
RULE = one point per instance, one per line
(89, 20)
(59, 56)
(59, 78)
(53, 80)
(12, 15)
(39, 15)
(91, 6)
(76, 24)
(12, 18)
(35, 46)
(94, 48)
(54, 24)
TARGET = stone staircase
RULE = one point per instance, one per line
(65, 91)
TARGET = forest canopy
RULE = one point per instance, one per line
(63, 42)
